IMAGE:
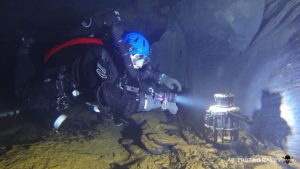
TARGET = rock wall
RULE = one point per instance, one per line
(202, 37)
(242, 47)
(202, 46)
(211, 46)
(270, 63)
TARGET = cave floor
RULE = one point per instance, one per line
(160, 145)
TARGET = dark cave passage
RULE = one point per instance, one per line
(247, 48)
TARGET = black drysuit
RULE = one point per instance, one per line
(100, 73)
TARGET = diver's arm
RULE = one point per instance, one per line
(124, 100)
(150, 102)
(160, 78)
(130, 102)
(149, 72)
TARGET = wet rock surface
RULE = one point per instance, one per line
(160, 144)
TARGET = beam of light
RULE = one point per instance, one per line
(192, 102)
(287, 113)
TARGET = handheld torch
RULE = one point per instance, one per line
(165, 97)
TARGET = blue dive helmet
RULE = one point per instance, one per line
(139, 44)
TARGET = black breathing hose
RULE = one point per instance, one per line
(117, 33)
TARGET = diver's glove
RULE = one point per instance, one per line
(172, 107)
(169, 82)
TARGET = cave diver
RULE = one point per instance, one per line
(103, 67)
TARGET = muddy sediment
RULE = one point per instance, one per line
(155, 143)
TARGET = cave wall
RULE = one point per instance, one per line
(202, 37)
(243, 47)
(208, 45)
(244, 58)
(203, 45)
(191, 40)
(272, 63)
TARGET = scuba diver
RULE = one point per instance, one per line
(101, 66)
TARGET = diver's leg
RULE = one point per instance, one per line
(118, 119)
